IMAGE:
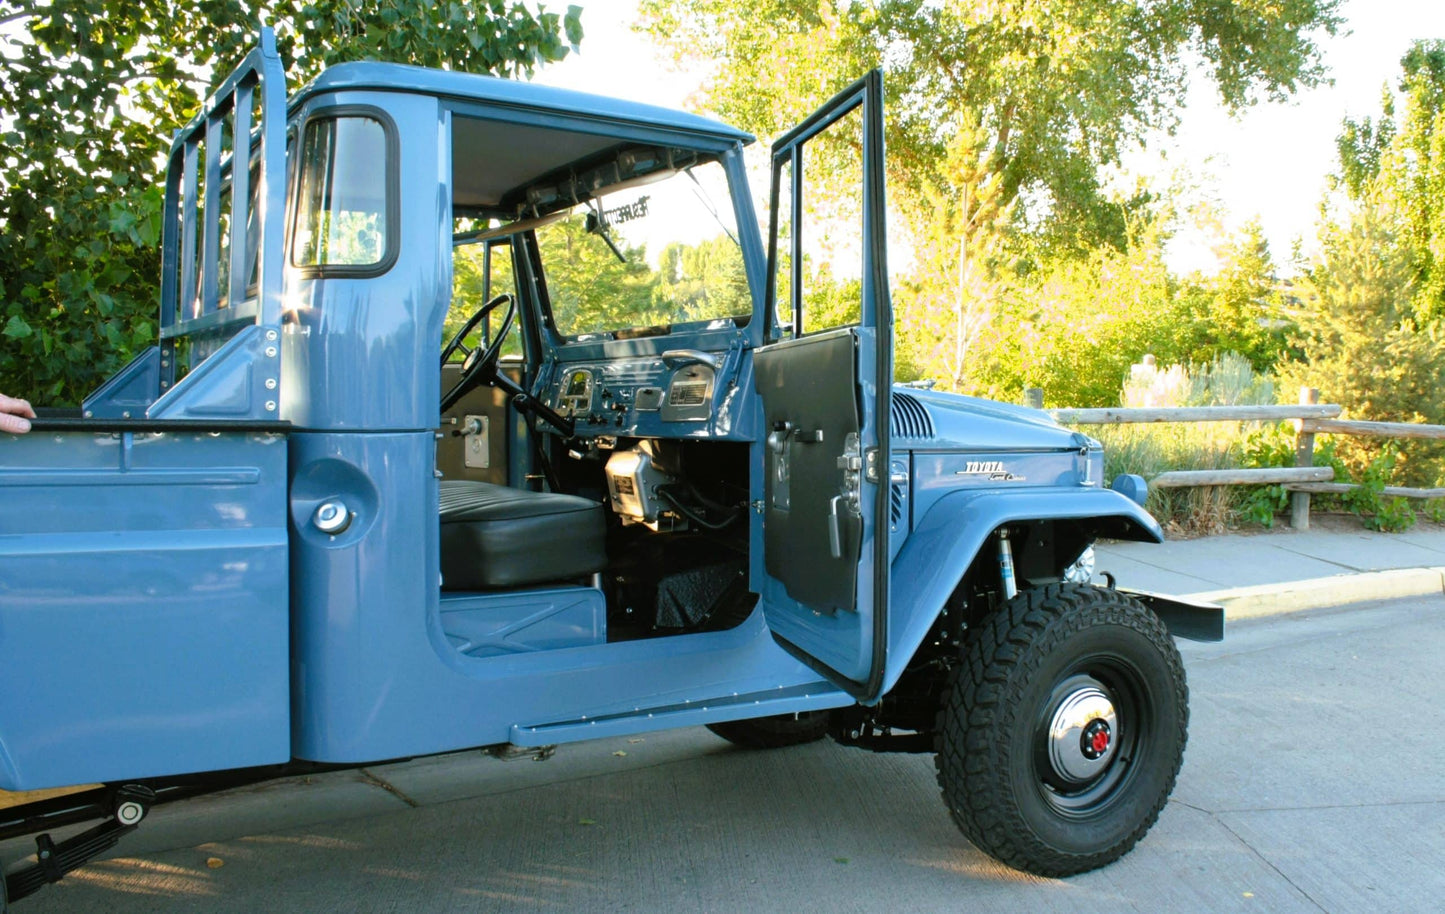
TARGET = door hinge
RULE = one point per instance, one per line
(870, 463)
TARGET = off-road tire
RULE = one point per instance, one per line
(993, 735)
(774, 732)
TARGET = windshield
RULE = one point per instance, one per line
(647, 258)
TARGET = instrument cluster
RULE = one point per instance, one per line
(621, 395)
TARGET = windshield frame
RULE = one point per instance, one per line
(684, 271)
(718, 332)
(728, 152)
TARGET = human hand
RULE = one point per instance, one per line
(15, 415)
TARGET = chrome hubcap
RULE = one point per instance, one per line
(1082, 734)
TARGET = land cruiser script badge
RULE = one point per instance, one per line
(993, 469)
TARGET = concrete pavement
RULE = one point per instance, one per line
(1282, 570)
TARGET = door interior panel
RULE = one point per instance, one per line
(810, 405)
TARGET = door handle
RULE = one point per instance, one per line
(778, 437)
(835, 528)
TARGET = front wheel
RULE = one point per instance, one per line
(1063, 729)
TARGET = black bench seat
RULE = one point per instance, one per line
(495, 536)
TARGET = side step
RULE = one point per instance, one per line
(53, 861)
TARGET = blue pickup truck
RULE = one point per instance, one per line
(486, 414)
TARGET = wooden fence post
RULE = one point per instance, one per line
(1304, 455)
(1034, 397)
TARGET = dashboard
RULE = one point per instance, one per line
(669, 394)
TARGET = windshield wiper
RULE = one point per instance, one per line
(596, 224)
(706, 201)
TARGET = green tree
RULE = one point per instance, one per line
(1239, 309)
(962, 275)
(703, 280)
(591, 290)
(1360, 341)
(88, 85)
(1075, 325)
(1371, 325)
(1047, 91)
(1401, 157)
(1002, 115)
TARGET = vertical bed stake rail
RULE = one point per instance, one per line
(190, 281)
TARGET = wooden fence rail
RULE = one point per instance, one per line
(1310, 418)
(1132, 415)
(1374, 429)
(1258, 476)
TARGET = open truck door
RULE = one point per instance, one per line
(826, 394)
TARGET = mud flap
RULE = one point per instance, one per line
(1184, 619)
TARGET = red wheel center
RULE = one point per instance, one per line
(1094, 742)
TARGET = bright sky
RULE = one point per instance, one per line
(1269, 164)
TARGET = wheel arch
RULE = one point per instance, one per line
(949, 539)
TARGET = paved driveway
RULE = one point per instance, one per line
(1313, 781)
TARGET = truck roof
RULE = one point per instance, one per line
(391, 77)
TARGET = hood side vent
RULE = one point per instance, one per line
(896, 497)
(910, 418)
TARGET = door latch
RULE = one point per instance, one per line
(779, 472)
(847, 502)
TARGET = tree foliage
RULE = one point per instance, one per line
(1401, 158)
(1358, 335)
(89, 86)
(1003, 117)
(591, 289)
(1374, 311)
(1046, 91)
(1074, 326)
(696, 281)
(1239, 309)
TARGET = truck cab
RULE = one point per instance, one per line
(490, 414)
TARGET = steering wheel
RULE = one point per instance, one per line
(479, 364)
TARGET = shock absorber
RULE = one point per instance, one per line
(1006, 565)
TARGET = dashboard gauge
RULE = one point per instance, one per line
(575, 394)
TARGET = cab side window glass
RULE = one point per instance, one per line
(481, 272)
(342, 211)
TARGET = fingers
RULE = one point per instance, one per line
(14, 415)
(16, 406)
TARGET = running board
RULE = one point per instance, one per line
(817, 696)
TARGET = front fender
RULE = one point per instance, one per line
(946, 539)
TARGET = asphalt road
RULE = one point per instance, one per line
(1314, 781)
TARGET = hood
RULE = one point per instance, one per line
(935, 420)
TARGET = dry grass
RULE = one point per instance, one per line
(1149, 450)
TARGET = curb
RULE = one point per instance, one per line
(1324, 593)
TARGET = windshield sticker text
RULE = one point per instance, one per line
(627, 212)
